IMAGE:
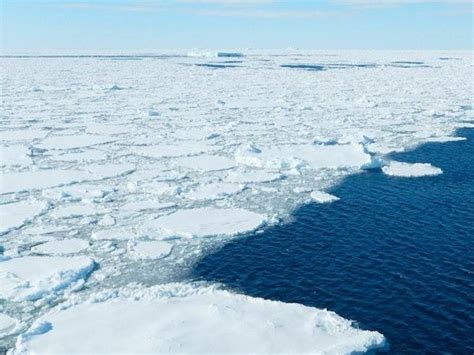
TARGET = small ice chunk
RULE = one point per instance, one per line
(15, 215)
(401, 169)
(150, 249)
(323, 197)
(206, 162)
(33, 277)
(7, 325)
(206, 221)
(61, 247)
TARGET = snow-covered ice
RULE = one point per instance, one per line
(86, 162)
(214, 191)
(70, 142)
(206, 162)
(34, 277)
(61, 247)
(7, 324)
(323, 197)
(205, 222)
(154, 249)
(198, 321)
(396, 168)
(16, 214)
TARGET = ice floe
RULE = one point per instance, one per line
(16, 214)
(33, 277)
(214, 191)
(40, 179)
(316, 156)
(7, 324)
(154, 249)
(61, 247)
(70, 142)
(205, 222)
(206, 162)
(14, 155)
(411, 170)
(201, 321)
(116, 233)
(323, 197)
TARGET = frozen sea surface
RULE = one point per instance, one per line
(119, 172)
(393, 253)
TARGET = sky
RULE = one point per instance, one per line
(39, 25)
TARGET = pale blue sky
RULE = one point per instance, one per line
(146, 24)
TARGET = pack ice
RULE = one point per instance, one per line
(113, 185)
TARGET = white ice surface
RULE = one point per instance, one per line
(34, 277)
(206, 162)
(149, 249)
(16, 214)
(61, 247)
(214, 191)
(14, 155)
(411, 170)
(7, 324)
(203, 321)
(40, 179)
(69, 142)
(116, 233)
(323, 197)
(205, 222)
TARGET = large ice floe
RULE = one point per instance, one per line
(113, 185)
(210, 321)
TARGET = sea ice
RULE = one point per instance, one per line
(77, 210)
(138, 206)
(214, 191)
(70, 142)
(149, 249)
(316, 156)
(61, 247)
(252, 176)
(116, 233)
(206, 162)
(7, 324)
(16, 214)
(204, 321)
(206, 221)
(15, 155)
(401, 169)
(171, 150)
(323, 197)
(33, 277)
(40, 179)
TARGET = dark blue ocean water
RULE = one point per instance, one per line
(395, 254)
